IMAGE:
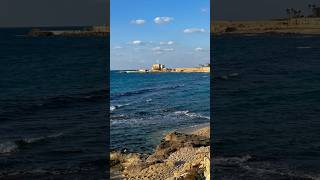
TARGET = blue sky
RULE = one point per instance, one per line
(172, 32)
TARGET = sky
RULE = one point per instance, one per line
(28, 13)
(144, 32)
(257, 9)
(31, 13)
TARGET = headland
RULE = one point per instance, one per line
(93, 31)
(160, 68)
(288, 26)
(296, 21)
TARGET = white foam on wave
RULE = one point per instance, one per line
(33, 140)
(149, 100)
(37, 139)
(8, 147)
(12, 146)
(55, 135)
(126, 121)
(112, 108)
(181, 112)
(191, 114)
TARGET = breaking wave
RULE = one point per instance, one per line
(112, 108)
(13, 146)
(191, 114)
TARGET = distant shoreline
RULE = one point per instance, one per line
(160, 68)
(93, 31)
(309, 26)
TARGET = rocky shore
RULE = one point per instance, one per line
(180, 156)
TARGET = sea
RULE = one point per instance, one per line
(145, 106)
(266, 113)
(53, 106)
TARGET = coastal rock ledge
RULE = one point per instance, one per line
(179, 156)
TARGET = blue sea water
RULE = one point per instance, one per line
(267, 118)
(53, 107)
(146, 105)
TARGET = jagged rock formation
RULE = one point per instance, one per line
(179, 156)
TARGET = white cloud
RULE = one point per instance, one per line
(168, 49)
(117, 47)
(138, 21)
(194, 30)
(199, 49)
(204, 10)
(156, 49)
(159, 50)
(166, 42)
(163, 20)
(136, 42)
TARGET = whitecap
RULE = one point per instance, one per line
(181, 112)
(37, 139)
(192, 115)
(32, 140)
(112, 108)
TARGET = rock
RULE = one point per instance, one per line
(178, 156)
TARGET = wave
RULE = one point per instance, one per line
(17, 107)
(119, 117)
(275, 172)
(93, 96)
(92, 167)
(304, 47)
(231, 160)
(124, 121)
(13, 146)
(243, 163)
(8, 147)
(112, 108)
(190, 114)
(145, 90)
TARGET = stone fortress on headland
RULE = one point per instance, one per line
(160, 68)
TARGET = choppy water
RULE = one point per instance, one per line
(52, 107)
(267, 119)
(144, 106)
